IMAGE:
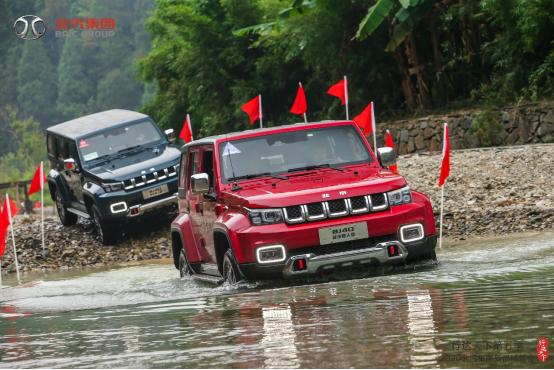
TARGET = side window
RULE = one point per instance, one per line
(208, 165)
(183, 171)
(72, 152)
(51, 145)
(193, 164)
(61, 148)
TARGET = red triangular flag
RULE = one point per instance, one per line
(445, 167)
(340, 90)
(390, 144)
(253, 108)
(8, 213)
(38, 205)
(3, 232)
(366, 120)
(300, 106)
(186, 132)
(38, 182)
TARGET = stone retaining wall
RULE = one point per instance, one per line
(525, 124)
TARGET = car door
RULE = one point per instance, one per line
(194, 202)
(75, 177)
(207, 215)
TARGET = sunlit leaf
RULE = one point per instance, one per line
(374, 18)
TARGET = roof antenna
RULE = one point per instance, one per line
(236, 186)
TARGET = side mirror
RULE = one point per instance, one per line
(386, 157)
(170, 135)
(199, 183)
(69, 164)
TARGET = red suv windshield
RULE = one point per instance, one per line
(286, 152)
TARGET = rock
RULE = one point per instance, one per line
(434, 146)
(402, 149)
(411, 146)
(466, 123)
(424, 125)
(68, 253)
(454, 142)
(45, 253)
(428, 133)
(419, 142)
(549, 117)
(471, 142)
(505, 117)
(513, 137)
(404, 136)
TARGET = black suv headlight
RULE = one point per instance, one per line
(116, 186)
(400, 196)
(266, 216)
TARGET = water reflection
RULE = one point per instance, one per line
(421, 328)
(279, 338)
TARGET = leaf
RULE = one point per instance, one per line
(410, 17)
(259, 28)
(413, 2)
(296, 11)
(405, 3)
(375, 16)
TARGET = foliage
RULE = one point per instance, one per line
(21, 164)
(485, 125)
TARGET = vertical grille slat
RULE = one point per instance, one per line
(150, 178)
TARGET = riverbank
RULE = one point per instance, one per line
(494, 191)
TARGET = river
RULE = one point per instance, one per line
(485, 304)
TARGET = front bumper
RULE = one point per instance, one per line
(362, 258)
(367, 257)
(141, 209)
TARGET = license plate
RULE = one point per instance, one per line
(343, 233)
(149, 193)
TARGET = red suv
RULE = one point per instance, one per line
(295, 201)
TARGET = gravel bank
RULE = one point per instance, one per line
(78, 245)
(490, 191)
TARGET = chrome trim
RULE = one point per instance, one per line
(363, 210)
(378, 253)
(133, 183)
(380, 208)
(143, 208)
(156, 175)
(295, 220)
(339, 214)
(317, 217)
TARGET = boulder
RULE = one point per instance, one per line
(411, 145)
(404, 136)
(428, 133)
(466, 122)
(402, 149)
(419, 142)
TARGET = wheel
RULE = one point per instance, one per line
(67, 218)
(231, 273)
(184, 268)
(107, 233)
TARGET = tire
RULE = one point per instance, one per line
(231, 273)
(107, 233)
(67, 218)
(184, 268)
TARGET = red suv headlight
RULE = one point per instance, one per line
(265, 216)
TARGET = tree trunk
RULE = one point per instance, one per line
(407, 87)
(437, 62)
(417, 69)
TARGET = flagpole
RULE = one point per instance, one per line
(305, 118)
(13, 236)
(374, 124)
(261, 126)
(190, 127)
(42, 199)
(442, 204)
(346, 95)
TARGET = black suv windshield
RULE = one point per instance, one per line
(118, 140)
(295, 151)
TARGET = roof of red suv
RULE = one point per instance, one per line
(210, 140)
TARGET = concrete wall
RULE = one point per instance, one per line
(525, 124)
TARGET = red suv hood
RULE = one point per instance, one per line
(316, 186)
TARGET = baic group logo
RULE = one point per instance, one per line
(24, 22)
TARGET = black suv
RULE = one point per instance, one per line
(113, 166)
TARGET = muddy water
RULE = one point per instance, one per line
(484, 305)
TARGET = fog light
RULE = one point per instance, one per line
(271, 254)
(411, 233)
(118, 207)
(393, 250)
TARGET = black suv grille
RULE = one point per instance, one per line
(377, 200)
(358, 203)
(353, 245)
(337, 206)
(315, 209)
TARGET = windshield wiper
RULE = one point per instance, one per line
(315, 167)
(101, 157)
(251, 176)
(130, 148)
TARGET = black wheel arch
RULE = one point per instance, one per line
(222, 242)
